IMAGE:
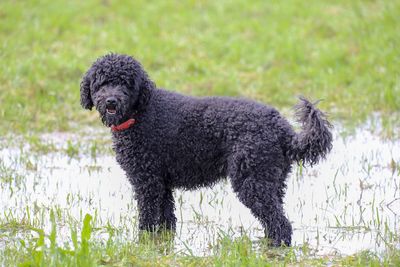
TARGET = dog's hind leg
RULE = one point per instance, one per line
(262, 198)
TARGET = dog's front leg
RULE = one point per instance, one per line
(168, 218)
(149, 192)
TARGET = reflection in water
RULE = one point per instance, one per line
(348, 203)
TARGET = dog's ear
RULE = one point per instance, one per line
(144, 92)
(86, 99)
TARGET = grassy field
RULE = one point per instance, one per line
(344, 52)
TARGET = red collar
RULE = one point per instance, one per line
(123, 126)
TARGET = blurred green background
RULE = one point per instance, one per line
(345, 52)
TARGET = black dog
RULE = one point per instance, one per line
(164, 140)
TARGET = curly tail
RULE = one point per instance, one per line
(315, 139)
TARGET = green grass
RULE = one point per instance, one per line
(345, 52)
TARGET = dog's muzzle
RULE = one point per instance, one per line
(111, 105)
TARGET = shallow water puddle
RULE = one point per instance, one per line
(348, 203)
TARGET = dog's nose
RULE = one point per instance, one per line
(111, 101)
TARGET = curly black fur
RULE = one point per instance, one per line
(315, 140)
(185, 142)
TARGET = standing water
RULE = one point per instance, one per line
(348, 203)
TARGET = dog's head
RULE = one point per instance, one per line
(117, 86)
